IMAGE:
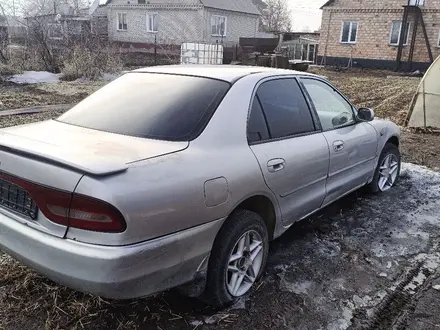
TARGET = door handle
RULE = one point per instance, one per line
(275, 165)
(338, 145)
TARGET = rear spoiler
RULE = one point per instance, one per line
(92, 164)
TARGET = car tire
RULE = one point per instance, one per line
(388, 168)
(243, 229)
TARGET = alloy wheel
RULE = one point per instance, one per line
(388, 172)
(244, 263)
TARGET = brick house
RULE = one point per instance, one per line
(371, 33)
(144, 22)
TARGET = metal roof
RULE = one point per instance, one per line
(242, 6)
(328, 3)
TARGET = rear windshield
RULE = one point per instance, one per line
(156, 106)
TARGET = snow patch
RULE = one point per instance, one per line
(211, 319)
(344, 322)
(295, 287)
(361, 302)
(109, 76)
(196, 323)
(36, 77)
(431, 261)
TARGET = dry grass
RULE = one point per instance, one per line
(29, 300)
(14, 96)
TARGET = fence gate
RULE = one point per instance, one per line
(201, 53)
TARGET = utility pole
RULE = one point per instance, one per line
(13, 7)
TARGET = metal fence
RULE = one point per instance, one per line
(166, 51)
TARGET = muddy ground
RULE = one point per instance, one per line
(366, 262)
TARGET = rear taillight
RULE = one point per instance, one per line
(72, 210)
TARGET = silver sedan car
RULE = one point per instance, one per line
(179, 176)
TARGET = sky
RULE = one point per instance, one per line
(306, 14)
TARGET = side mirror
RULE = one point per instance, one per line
(365, 114)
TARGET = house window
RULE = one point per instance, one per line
(396, 32)
(218, 25)
(75, 27)
(122, 22)
(141, 2)
(416, 2)
(152, 22)
(349, 32)
(55, 31)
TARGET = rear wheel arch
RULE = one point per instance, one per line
(264, 207)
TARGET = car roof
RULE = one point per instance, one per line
(230, 73)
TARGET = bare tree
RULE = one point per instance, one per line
(276, 16)
(4, 36)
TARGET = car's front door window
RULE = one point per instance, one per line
(333, 110)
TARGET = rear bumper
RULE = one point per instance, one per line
(121, 272)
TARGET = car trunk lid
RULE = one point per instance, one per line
(85, 150)
(57, 155)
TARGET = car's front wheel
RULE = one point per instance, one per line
(388, 169)
(238, 258)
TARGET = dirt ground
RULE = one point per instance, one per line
(14, 96)
(366, 262)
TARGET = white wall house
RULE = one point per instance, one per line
(178, 21)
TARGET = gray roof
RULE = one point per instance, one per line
(242, 6)
(328, 3)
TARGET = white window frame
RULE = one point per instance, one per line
(405, 42)
(148, 22)
(350, 31)
(416, 2)
(438, 41)
(49, 29)
(213, 17)
(117, 21)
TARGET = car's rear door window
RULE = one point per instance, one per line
(285, 108)
(158, 106)
(257, 129)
